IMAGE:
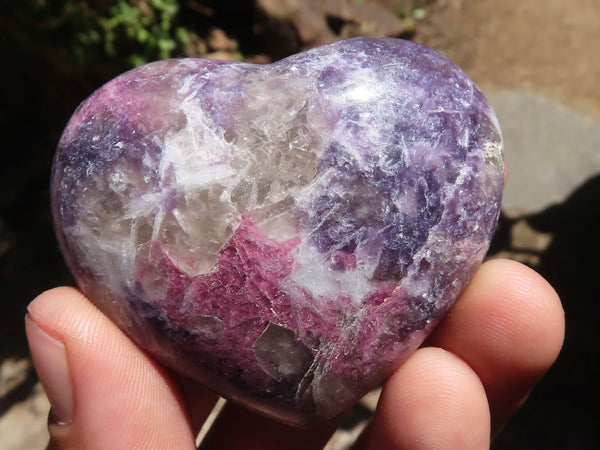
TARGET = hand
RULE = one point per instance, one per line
(454, 393)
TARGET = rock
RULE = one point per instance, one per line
(279, 9)
(293, 25)
(219, 42)
(285, 234)
(366, 19)
(195, 46)
(304, 23)
(311, 25)
(224, 56)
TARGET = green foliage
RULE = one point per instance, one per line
(147, 26)
(412, 11)
(82, 32)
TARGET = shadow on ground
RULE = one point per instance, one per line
(561, 413)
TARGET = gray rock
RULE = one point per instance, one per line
(550, 149)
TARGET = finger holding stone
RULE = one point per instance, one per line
(105, 392)
(509, 327)
(434, 400)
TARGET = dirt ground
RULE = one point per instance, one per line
(550, 46)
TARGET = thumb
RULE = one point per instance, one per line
(104, 391)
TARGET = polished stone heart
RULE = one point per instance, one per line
(285, 234)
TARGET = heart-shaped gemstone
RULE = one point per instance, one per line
(285, 234)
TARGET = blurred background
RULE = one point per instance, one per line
(538, 62)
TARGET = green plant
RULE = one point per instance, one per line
(142, 29)
(412, 11)
(75, 34)
(147, 27)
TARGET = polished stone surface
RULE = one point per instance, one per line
(285, 234)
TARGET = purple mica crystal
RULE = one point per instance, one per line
(285, 234)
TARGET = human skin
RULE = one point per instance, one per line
(456, 391)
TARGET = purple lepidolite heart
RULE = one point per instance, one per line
(285, 234)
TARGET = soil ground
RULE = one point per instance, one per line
(549, 46)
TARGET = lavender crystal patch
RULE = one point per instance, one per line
(285, 234)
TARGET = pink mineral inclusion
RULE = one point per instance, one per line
(285, 234)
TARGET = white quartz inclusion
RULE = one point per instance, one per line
(295, 228)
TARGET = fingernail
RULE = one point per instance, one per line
(50, 359)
